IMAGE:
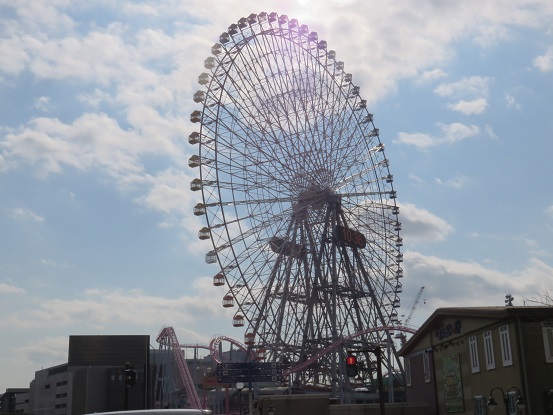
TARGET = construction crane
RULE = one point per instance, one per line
(414, 306)
(401, 336)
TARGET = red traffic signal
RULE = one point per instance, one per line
(351, 365)
(351, 360)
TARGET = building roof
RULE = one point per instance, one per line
(496, 312)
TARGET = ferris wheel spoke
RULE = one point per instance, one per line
(267, 96)
(348, 180)
(243, 236)
(288, 78)
(287, 154)
(237, 98)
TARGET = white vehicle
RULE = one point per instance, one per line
(159, 412)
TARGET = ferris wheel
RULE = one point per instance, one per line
(297, 196)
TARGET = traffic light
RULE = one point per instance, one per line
(130, 375)
(351, 365)
(130, 378)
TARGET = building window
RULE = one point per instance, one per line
(548, 343)
(408, 371)
(426, 366)
(479, 405)
(473, 349)
(505, 346)
(488, 350)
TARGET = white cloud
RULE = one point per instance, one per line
(95, 98)
(50, 350)
(140, 9)
(14, 58)
(476, 106)
(169, 192)
(101, 309)
(416, 180)
(99, 58)
(457, 132)
(419, 225)
(545, 62)
(450, 133)
(457, 182)
(37, 15)
(451, 283)
(536, 249)
(432, 75)
(512, 102)
(42, 104)
(419, 140)
(25, 215)
(51, 263)
(4, 165)
(91, 141)
(10, 289)
(474, 86)
(490, 132)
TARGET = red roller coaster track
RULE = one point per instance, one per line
(168, 337)
(214, 349)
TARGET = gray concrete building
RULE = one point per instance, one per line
(14, 400)
(93, 379)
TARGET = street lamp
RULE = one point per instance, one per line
(239, 387)
(260, 403)
(520, 402)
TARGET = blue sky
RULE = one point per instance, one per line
(98, 234)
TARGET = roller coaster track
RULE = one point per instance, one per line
(340, 342)
(168, 337)
(214, 349)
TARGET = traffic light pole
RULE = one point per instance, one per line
(126, 405)
(130, 380)
(377, 351)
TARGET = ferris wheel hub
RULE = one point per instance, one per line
(315, 198)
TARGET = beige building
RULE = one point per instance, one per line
(462, 356)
